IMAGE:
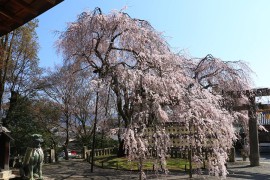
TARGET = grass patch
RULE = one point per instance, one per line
(114, 162)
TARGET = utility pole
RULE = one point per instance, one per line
(94, 133)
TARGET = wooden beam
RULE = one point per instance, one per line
(263, 107)
(51, 1)
(260, 107)
(257, 92)
(27, 7)
(263, 110)
(262, 92)
(10, 16)
(5, 28)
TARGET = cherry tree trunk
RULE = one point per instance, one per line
(121, 150)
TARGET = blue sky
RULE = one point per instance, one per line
(228, 29)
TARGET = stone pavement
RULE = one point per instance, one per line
(80, 170)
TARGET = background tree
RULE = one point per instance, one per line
(84, 105)
(19, 71)
(48, 114)
(19, 82)
(61, 88)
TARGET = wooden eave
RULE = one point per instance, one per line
(15, 13)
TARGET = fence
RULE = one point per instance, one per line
(97, 152)
(263, 118)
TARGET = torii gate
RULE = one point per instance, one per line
(253, 124)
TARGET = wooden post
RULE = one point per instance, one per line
(52, 156)
(141, 168)
(84, 152)
(232, 155)
(190, 162)
(253, 133)
(6, 153)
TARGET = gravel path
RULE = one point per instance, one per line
(80, 170)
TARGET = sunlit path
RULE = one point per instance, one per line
(80, 170)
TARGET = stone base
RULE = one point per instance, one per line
(6, 175)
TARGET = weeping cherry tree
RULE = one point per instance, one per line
(153, 86)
